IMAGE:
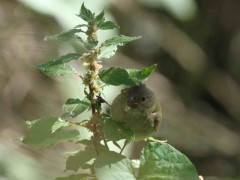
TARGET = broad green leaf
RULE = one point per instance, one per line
(86, 14)
(162, 161)
(110, 165)
(131, 77)
(115, 131)
(44, 133)
(66, 36)
(59, 66)
(71, 177)
(66, 58)
(59, 124)
(107, 25)
(81, 158)
(100, 17)
(73, 107)
(90, 44)
(115, 76)
(53, 70)
(120, 40)
(61, 60)
(138, 76)
(107, 52)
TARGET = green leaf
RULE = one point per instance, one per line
(53, 70)
(59, 66)
(162, 161)
(66, 36)
(62, 59)
(110, 165)
(130, 77)
(115, 131)
(120, 40)
(78, 160)
(71, 177)
(100, 17)
(86, 14)
(87, 166)
(73, 107)
(107, 52)
(43, 133)
(59, 124)
(107, 25)
(81, 25)
(90, 44)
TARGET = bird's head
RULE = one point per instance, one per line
(140, 96)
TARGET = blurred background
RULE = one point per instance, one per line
(196, 44)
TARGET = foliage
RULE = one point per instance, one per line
(157, 161)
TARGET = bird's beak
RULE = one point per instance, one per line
(132, 101)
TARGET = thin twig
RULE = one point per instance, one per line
(78, 74)
(77, 123)
(102, 86)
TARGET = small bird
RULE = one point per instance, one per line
(139, 110)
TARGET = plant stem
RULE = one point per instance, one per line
(91, 76)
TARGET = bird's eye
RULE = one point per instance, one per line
(143, 99)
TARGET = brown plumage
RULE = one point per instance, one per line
(139, 109)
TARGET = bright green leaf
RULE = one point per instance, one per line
(115, 76)
(86, 14)
(61, 60)
(120, 40)
(107, 52)
(59, 124)
(130, 77)
(73, 107)
(107, 25)
(163, 162)
(115, 131)
(141, 75)
(53, 70)
(44, 133)
(110, 165)
(66, 58)
(78, 160)
(66, 36)
(100, 17)
(59, 66)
